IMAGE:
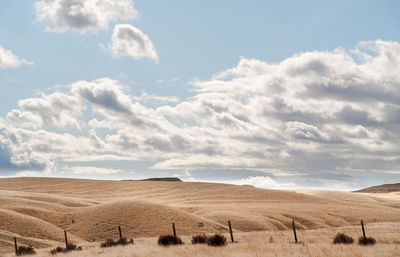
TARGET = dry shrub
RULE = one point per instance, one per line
(110, 242)
(366, 240)
(58, 249)
(169, 240)
(342, 238)
(216, 240)
(25, 250)
(199, 239)
(70, 247)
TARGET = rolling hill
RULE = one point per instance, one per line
(386, 188)
(37, 210)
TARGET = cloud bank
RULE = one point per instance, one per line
(82, 15)
(329, 113)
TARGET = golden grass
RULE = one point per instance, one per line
(313, 243)
(37, 210)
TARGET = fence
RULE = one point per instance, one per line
(201, 224)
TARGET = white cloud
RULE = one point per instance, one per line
(16, 154)
(87, 170)
(57, 109)
(25, 119)
(9, 60)
(103, 93)
(128, 40)
(159, 100)
(82, 15)
(313, 113)
(262, 182)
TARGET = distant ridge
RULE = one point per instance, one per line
(386, 188)
(169, 179)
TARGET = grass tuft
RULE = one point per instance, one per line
(366, 240)
(71, 247)
(25, 250)
(111, 243)
(216, 240)
(169, 240)
(342, 238)
(199, 239)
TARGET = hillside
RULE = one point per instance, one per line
(37, 210)
(386, 188)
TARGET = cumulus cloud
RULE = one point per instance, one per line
(128, 40)
(16, 154)
(109, 98)
(25, 119)
(82, 15)
(321, 112)
(9, 60)
(57, 110)
(103, 93)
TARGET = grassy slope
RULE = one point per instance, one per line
(90, 210)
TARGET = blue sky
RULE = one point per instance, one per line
(186, 44)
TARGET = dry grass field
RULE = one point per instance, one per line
(37, 210)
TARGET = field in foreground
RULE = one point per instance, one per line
(312, 243)
(37, 210)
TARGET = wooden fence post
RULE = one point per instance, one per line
(294, 231)
(16, 247)
(66, 239)
(173, 229)
(362, 227)
(120, 233)
(230, 230)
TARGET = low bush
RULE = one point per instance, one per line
(199, 239)
(108, 243)
(71, 247)
(169, 240)
(111, 243)
(25, 250)
(342, 238)
(58, 249)
(366, 240)
(216, 240)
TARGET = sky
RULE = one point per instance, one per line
(274, 94)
